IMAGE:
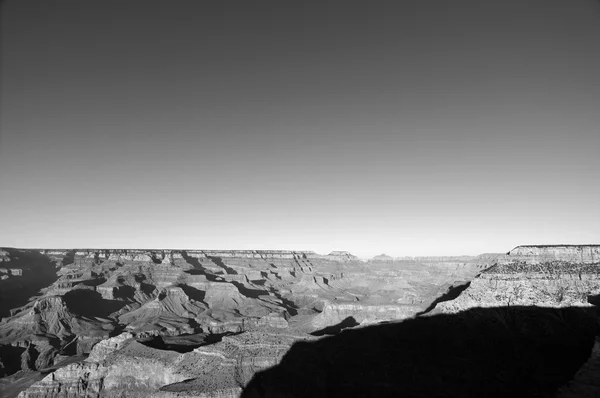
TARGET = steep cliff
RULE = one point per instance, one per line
(547, 276)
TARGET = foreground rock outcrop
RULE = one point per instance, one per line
(123, 366)
(495, 352)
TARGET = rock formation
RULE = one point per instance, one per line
(581, 254)
(218, 369)
(86, 296)
(173, 323)
(499, 352)
(382, 257)
(544, 276)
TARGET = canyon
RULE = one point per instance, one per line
(219, 323)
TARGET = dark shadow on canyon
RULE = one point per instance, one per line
(452, 293)
(11, 359)
(193, 293)
(219, 261)
(183, 343)
(482, 352)
(69, 258)
(198, 268)
(289, 305)
(90, 303)
(594, 299)
(124, 292)
(250, 293)
(94, 282)
(38, 270)
(349, 322)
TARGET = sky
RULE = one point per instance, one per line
(406, 128)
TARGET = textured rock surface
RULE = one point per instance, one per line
(90, 295)
(541, 276)
(122, 366)
(499, 352)
(522, 278)
(173, 323)
(581, 254)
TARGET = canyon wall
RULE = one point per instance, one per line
(537, 254)
(243, 310)
(545, 276)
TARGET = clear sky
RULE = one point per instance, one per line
(410, 128)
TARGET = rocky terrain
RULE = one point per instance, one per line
(543, 276)
(177, 323)
(78, 300)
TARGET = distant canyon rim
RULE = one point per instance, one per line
(225, 323)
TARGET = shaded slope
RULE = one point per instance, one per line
(516, 351)
(38, 271)
(171, 312)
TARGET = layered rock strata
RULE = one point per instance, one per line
(482, 352)
(539, 254)
(545, 276)
(92, 294)
(122, 366)
(268, 299)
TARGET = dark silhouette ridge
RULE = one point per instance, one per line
(452, 293)
(349, 322)
(482, 352)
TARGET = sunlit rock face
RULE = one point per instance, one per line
(547, 276)
(133, 370)
(577, 254)
(122, 366)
